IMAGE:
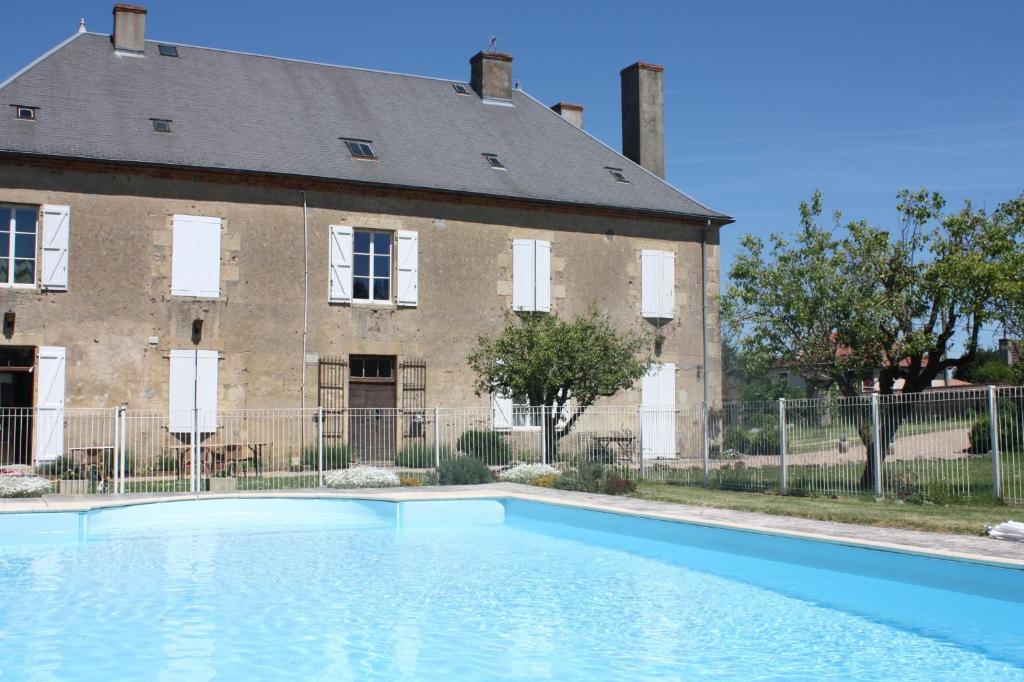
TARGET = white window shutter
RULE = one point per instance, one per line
(206, 390)
(49, 430)
(181, 390)
(650, 273)
(542, 276)
(56, 235)
(668, 284)
(408, 268)
(183, 256)
(207, 278)
(501, 412)
(341, 264)
(523, 277)
(658, 411)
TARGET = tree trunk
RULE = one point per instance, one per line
(890, 418)
(550, 434)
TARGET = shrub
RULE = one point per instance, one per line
(527, 473)
(23, 486)
(336, 456)
(548, 481)
(362, 477)
(463, 471)
(614, 484)
(762, 441)
(419, 456)
(409, 481)
(1010, 430)
(488, 446)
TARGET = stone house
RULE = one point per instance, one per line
(191, 227)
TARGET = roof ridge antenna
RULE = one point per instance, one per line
(493, 45)
(81, 25)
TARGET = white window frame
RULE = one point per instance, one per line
(186, 281)
(11, 236)
(391, 268)
(522, 412)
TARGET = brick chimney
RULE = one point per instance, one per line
(491, 75)
(643, 116)
(573, 113)
(129, 28)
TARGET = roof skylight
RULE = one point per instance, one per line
(161, 125)
(168, 50)
(460, 88)
(360, 149)
(617, 174)
(25, 113)
(494, 161)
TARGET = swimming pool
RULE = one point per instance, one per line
(478, 589)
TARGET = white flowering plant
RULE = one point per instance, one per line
(527, 473)
(362, 477)
(23, 486)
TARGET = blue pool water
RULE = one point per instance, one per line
(340, 589)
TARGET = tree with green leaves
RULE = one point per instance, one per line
(551, 361)
(840, 304)
(747, 379)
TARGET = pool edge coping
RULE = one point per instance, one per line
(673, 512)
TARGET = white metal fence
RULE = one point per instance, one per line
(938, 446)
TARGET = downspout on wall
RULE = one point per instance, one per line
(305, 297)
(704, 303)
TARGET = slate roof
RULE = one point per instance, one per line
(247, 112)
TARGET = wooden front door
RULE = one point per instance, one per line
(372, 408)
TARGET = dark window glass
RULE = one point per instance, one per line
(161, 125)
(25, 245)
(361, 242)
(382, 243)
(362, 265)
(4, 272)
(168, 50)
(381, 289)
(24, 271)
(383, 367)
(494, 161)
(460, 88)
(357, 367)
(25, 220)
(382, 266)
(361, 288)
(25, 113)
(360, 150)
(5, 219)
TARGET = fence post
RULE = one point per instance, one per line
(194, 479)
(122, 417)
(783, 484)
(640, 440)
(543, 436)
(437, 438)
(993, 416)
(705, 444)
(116, 464)
(320, 445)
(876, 449)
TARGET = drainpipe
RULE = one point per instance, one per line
(305, 297)
(704, 302)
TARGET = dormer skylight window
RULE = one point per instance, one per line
(25, 113)
(168, 50)
(617, 174)
(360, 149)
(161, 125)
(494, 161)
(460, 88)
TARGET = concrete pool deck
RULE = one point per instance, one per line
(941, 545)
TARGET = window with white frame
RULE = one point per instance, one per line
(18, 245)
(371, 277)
(374, 266)
(524, 415)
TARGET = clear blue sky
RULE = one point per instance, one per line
(765, 101)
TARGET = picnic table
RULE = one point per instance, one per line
(220, 457)
(97, 458)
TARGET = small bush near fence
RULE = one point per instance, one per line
(488, 446)
(362, 477)
(23, 486)
(420, 456)
(755, 441)
(594, 477)
(335, 457)
(463, 471)
(1009, 433)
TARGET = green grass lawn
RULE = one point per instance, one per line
(965, 519)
